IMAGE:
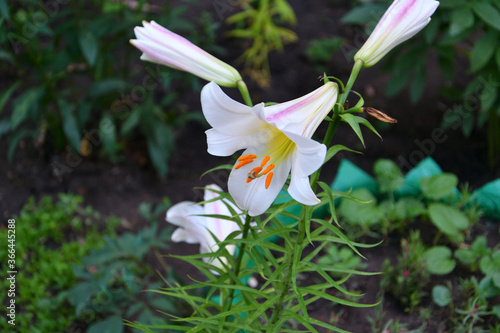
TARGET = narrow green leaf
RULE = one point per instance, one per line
(487, 13)
(6, 95)
(89, 45)
(462, 18)
(312, 291)
(367, 124)
(351, 120)
(22, 106)
(107, 130)
(332, 151)
(70, 126)
(497, 58)
(483, 50)
(14, 140)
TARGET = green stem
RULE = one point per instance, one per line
(229, 303)
(242, 87)
(352, 78)
(332, 127)
(295, 251)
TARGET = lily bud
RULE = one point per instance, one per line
(402, 20)
(164, 47)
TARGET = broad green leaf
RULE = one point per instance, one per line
(363, 14)
(438, 186)
(465, 256)
(107, 86)
(70, 126)
(113, 324)
(89, 45)
(6, 95)
(438, 260)
(448, 219)
(483, 50)
(364, 214)
(351, 120)
(4, 10)
(389, 176)
(487, 13)
(441, 295)
(462, 18)
(490, 264)
(417, 85)
(22, 105)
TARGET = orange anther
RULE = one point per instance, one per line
(247, 157)
(268, 179)
(264, 161)
(249, 180)
(269, 168)
(242, 163)
(257, 170)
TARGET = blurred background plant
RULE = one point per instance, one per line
(259, 25)
(71, 82)
(462, 34)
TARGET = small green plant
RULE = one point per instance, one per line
(406, 279)
(113, 278)
(51, 237)
(319, 52)
(340, 257)
(470, 307)
(259, 22)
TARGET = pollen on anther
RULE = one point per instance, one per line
(242, 163)
(265, 160)
(269, 168)
(268, 179)
(247, 157)
(257, 170)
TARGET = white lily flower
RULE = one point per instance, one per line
(277, 141)
(195, 228)
(402, 20)
(164, 47)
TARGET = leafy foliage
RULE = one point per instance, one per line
(459, 30)
(52, 236)
(72, 85)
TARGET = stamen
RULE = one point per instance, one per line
(268, 179)
(242, 163)
(247, 157)
(269, 168)
(257, 170)
(249, 180)
(265, 160)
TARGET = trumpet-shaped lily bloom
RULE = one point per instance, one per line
(277, 142)
(164, 47)
(194, 228)
(402, 20)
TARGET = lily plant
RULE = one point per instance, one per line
(274, 148)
